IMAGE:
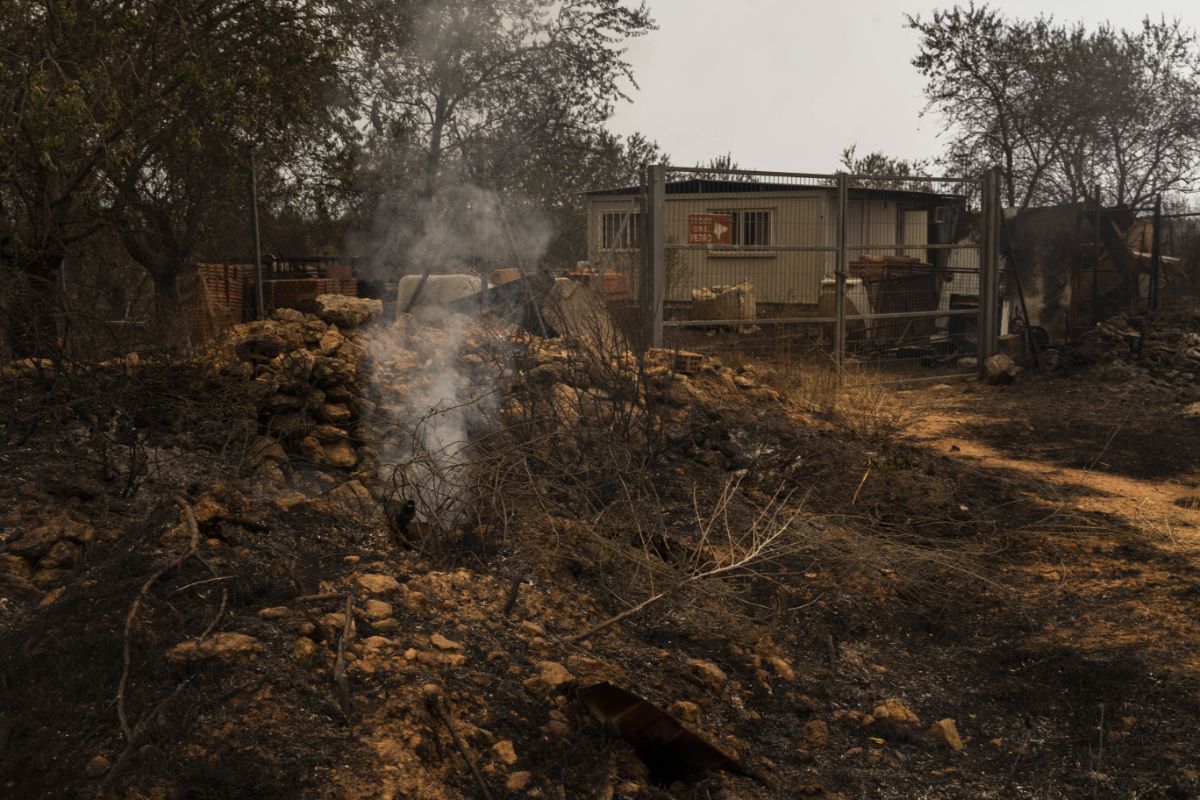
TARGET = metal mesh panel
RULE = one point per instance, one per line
(750, 264)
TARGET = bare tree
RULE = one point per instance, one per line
(1060, 108)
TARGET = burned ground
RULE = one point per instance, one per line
(1039, 594)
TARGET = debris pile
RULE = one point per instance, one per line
(1156, 352)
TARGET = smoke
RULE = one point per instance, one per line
(435, 371)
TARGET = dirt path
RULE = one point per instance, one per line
(1129, 578)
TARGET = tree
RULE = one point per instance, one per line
(137, 115)
(878, 165)
(1060, 109)
(251, 78)
(508, 95)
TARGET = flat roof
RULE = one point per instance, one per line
(710, 186)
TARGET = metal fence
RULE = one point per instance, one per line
(881, 278)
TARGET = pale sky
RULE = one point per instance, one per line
(786, 84)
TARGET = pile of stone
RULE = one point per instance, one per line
(1160, 352)
(306, 376)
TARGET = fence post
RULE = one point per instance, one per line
(654, 257)
(839, 326)
(1156, 253)
(989, 277)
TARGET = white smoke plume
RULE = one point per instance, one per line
(435, 370)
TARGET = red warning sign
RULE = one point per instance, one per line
(710, 229)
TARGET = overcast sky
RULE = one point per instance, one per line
(786, 84)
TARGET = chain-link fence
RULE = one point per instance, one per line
(881, 278)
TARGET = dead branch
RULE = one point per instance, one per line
(339, 670)
(766, 538)
(440, 711)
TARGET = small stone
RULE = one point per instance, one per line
(505, 752)
(16, 567)
(220, 646)
(553, 675)
(816, 733)
(518, 781)
(895, 711)
(51, 597)
(684, 710)
(274, 612)
(442, 643)
(709, 673)
(97, 767)
(304, 649)
(378, 584)
(377, 609)
(782, 668)
(430, 689)
(944, 731)
(532, 628)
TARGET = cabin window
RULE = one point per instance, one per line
(750, 227)
(620, 230)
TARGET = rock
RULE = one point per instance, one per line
(782, 668)
(518, 781)
(894, 711)
(274, 612)
(684, 710)
(52, 597)
(340, 454)
(16, 567)
(222, 646)
(375, 610)
(1000, 368)
(1191, 411)
(45, 578)
(38, 541)
(378, 584)
(97, 767)
(335, 413)
(709, 673)
(266, 450)
(944, 731)
(346, 312)
(505, 752)
(551, 677)
(263, 340)
(304, 649)
(816, 733)
(352, 496)
(62, 554)
(311, 450)
(442, 643)
(532, 628)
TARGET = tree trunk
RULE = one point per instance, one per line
(171, 318)
(30, 319)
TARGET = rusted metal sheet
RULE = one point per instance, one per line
(660, 739)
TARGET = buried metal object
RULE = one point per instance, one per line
(667, 746)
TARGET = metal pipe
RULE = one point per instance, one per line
(841, 265)
(1156, 253)
(653, 286)
(1096, 265)
(258, 273)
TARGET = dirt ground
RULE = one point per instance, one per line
(1019, 565)
(1077, 673)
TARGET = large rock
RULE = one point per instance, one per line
(263, 340)
(1000, 368)
(892, 710)
(346, 312)
(946, 732)
(437, 293)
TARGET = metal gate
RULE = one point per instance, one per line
(881, 278)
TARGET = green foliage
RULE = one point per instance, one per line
(1061, 108)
